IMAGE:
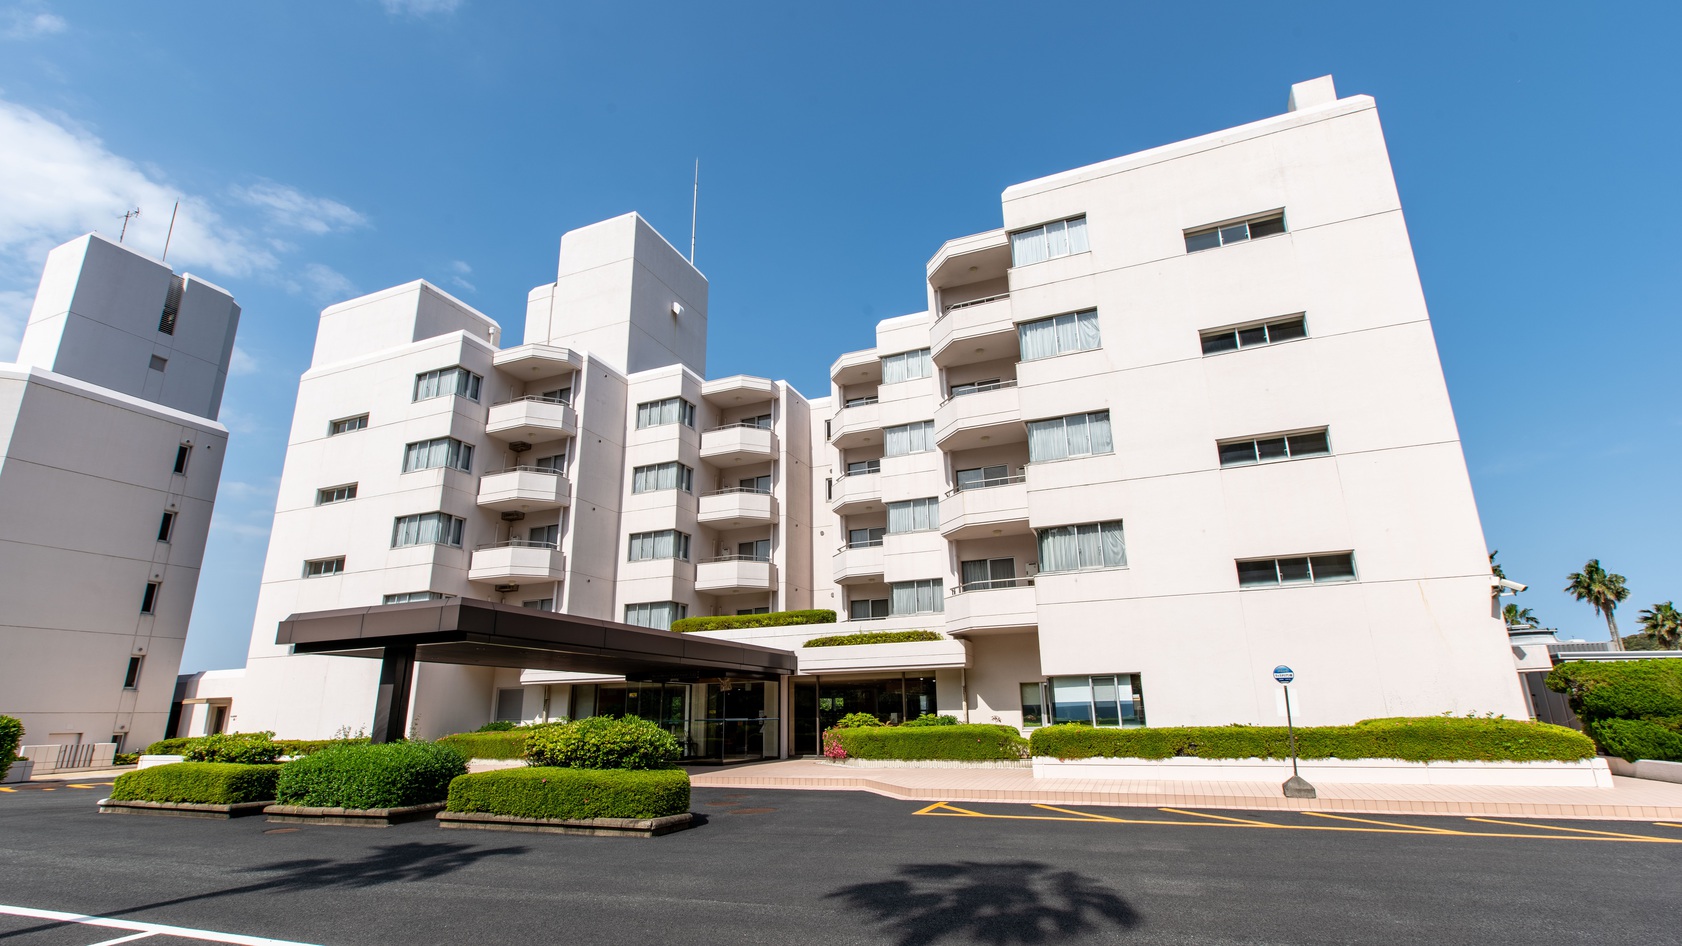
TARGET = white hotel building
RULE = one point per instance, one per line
(1178, 420)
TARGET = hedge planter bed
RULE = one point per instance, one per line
(1587, 773)
(194, 790)
(554, 800)
(109, 806)
(596, 827)
(936, 763)
(353, 817)
(978, 742)
(372, 786)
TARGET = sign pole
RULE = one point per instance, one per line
(1296, 786)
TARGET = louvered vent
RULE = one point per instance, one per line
(172, 306)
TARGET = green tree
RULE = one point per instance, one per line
(1494, 567)
(1516, 615)
(1664, 623)
(1602, 590)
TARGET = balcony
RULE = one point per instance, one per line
(729, 574)
(856, 492)
(738, 445)
(982, 607)
(533, 419)
(991, 507)
(974, 331)
(524, 489)
(859, 562)
(517, 560)
(857, 367)
(856, 426)
(985, 415)
(736, 507)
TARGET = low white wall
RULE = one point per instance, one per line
(46, 757)
(19, 772)
(1646, 768)
(1589, 773)
(147, 761)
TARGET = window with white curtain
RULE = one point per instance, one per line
(1080, 547)
(1058, 335)
(1078, 435)
(667, 543)
(908, 438)
(914, 515)
(1059, 238)
(655, 614)
(324, 567)
(916, 597)
(427, 528)
(672, 410)
(906, 366)
(432, 454)
(659, 476)
(446, 381)
(867, 609)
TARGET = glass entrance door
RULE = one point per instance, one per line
(735, 725)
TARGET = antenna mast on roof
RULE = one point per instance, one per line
(171, 232)
(136, 212)
(694, 205)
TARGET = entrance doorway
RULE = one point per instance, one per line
(820, 704)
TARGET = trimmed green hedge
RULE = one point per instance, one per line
(509, 744)
(258, 748)
(603, 742)
(874, 637)
(930, 719)
(733, 621)
(1624, 689)
(542, 792)
(392, 775)
(204, 783)
(1658, 738)
(179, 745)
(11, 736)
(1423, 739)
(981, 742)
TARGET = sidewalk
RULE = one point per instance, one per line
(1631, 800)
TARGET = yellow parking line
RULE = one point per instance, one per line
(1554, 827)
(5, 789)
(1087, 816)
(1422, 829)
(1247, 821)
(1666, 824)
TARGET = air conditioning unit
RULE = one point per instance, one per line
(507, 589)
(513, 515)
(1033, 569)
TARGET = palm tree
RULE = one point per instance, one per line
(1494, 566)
(1602, 590)
(1664, 623)
(1516, 615)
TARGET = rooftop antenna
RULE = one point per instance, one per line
(135, 213)
(694, 205)
(171, 232)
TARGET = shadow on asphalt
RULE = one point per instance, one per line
(1005, 903)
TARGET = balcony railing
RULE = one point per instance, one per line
(993, 584)
(737, 426)
(737, 557)
(981, 301)
(552, 471)
(518, 544)
(729, 490)
(861, 544)
(860, 401)
(978, 389)
(536, 397)
(989, 483)
(867, 471)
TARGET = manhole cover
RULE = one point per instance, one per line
(750, 811)
(280, 830)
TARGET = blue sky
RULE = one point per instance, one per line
(332, 148)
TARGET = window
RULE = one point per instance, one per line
(1306, 569)
(867, 609)
(1074, 548)
(906, 366)
(828, 488)
(558, 395)
(447, 381)
(166, 525)
(763, 422)
(1058, 335)
(656, 614)
(131, 677)
(741, 611)
(172, 306)
(983, 477)
(1033, 698)
(1078, 435)
(667, 543)
(149, 598)
(756, 484)
(865, 538)
(1205, 238)
(659, 476)
(986, 573)
(440, 452)
(324, 567)
(914, 515)
(1111, 700)
(181, 454)
(427, 528)
(548, 537)
(863, 467)
(510, 704)
(909, 438)
(346, 425)
(1250, 336)
(915, 597)
(158, 363)
(672, 410)
(335, 494)
(556, 463)
(539, 604)
(1309, 443)
(1060, 238)
(758, 550)
(974, 387)
(858, 401)
(408, 596)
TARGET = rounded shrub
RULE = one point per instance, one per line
(929, 719)
(11, 736)
(1632, 739)
(200, 783)
(1625, 689)
(857, 721)
(602, 742)
(388, 775)
(242, 748)
(500, 725)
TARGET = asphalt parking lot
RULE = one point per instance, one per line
(838, 867)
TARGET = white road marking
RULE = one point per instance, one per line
(122, 939)
(146, 929)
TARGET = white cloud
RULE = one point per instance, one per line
(239, 490)
(458, 270)
(421, 7)
(242, 362)
(238, 421)
(322, 283)
(28, 23)
(290, 207)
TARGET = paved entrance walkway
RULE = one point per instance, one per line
(1631, 800)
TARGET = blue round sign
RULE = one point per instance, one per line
(1284, 674)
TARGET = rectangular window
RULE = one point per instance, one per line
(166, 525)
(656, 614)
(1078, 435)
(539, 604)
(444, 382)
(1058, 335)
(172, 305)
(181, 454)
(984, 574)
(984, 477)
(510, 703)
(1301, 570)
(556, 463)
(906, 366)
(660, 476)
(335, 494)
(863, 467)
(1216, 341)
(741, 611)
(974, 387)
(1033, 697)
(867, 609)
(1309, 443)
(427, 528)
(558, 395)
(347, 424)
(1111, 700)
(914, 515)
(324, 567)
(1059, 238)
(667, 543)
(440, 452)
(865, 538)
(131, 677)
(756, 484)
(149, 598)
(158, 363)
(762, 422)
(408, 596)
(758, 550)
(909, 438)
(672, 410)
(1080, 547)
(548, 537)
(1254, 228)
(916, 597)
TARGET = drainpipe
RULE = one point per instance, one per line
(963, 684)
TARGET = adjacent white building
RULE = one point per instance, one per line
(1178, 420)
(110, 455)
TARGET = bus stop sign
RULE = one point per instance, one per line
(1284, 674)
